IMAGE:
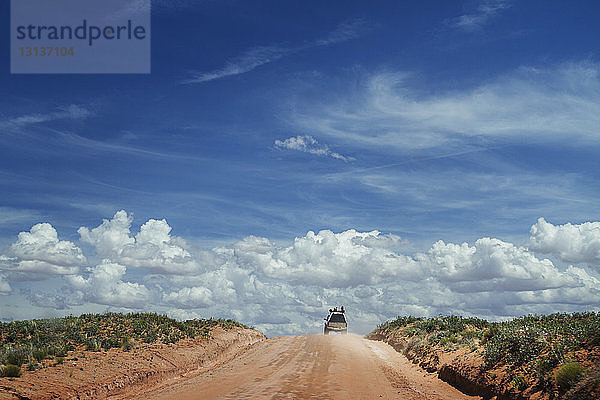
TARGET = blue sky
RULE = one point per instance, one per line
(428, 121)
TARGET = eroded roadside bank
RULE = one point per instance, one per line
(88, 374)
(533, 357)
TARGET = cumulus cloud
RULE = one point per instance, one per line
(578, 243)
(111, 236)
(152, 247)
(328, 259)
(308, 144)
(40, 251)
(284, 288)
(492, 265)
(105, 286)
(190, 297)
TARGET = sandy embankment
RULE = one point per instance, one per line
(461, 368)
(87, 375)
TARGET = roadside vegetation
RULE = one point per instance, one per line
(555, 355)
(35, 343)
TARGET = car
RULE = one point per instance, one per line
(336, 322)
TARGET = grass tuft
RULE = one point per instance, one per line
(12, 371)
(568, 375)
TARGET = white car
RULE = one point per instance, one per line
(336, 322)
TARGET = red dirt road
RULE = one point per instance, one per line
(309, 367)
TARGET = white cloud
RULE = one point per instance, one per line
(476, 20)
(578, 243)
(308, 144)
(492, 265)
(328, 259)
(251, 59)
(58, 300)
(560, 104)
(105, 286)
(261, 55)
(285, 288)
(72, 111)
(4, 285)
(343, 32)
(111, 236)
(14, 216)
(40, 251)
(152, 248)
(190, 297)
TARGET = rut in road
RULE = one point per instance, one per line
(311, 367)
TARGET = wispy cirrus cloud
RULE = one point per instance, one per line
(560, 103)
(344, 31)
(251, 59)
(261, 55)
(486, 10)
(72, 111)
(308, 144)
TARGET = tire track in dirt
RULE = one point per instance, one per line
(313, 367)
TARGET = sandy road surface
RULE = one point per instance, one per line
(310, 367)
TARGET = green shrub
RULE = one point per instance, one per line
(128, 344)
(150, 337)
(58, 350)
(11, 370)
(399, 322)
(520, 383)
(60, 360)
(111, 342)
(544, 365)
(514, 344)
(15, 356)
(93, 345)
(448, 340)
(587, 389)
(490, 333)
(567, 376)
(39, 354)
(469, 333)
(32, 366)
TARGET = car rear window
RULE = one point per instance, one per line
(337, 318)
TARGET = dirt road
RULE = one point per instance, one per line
(309, 367)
